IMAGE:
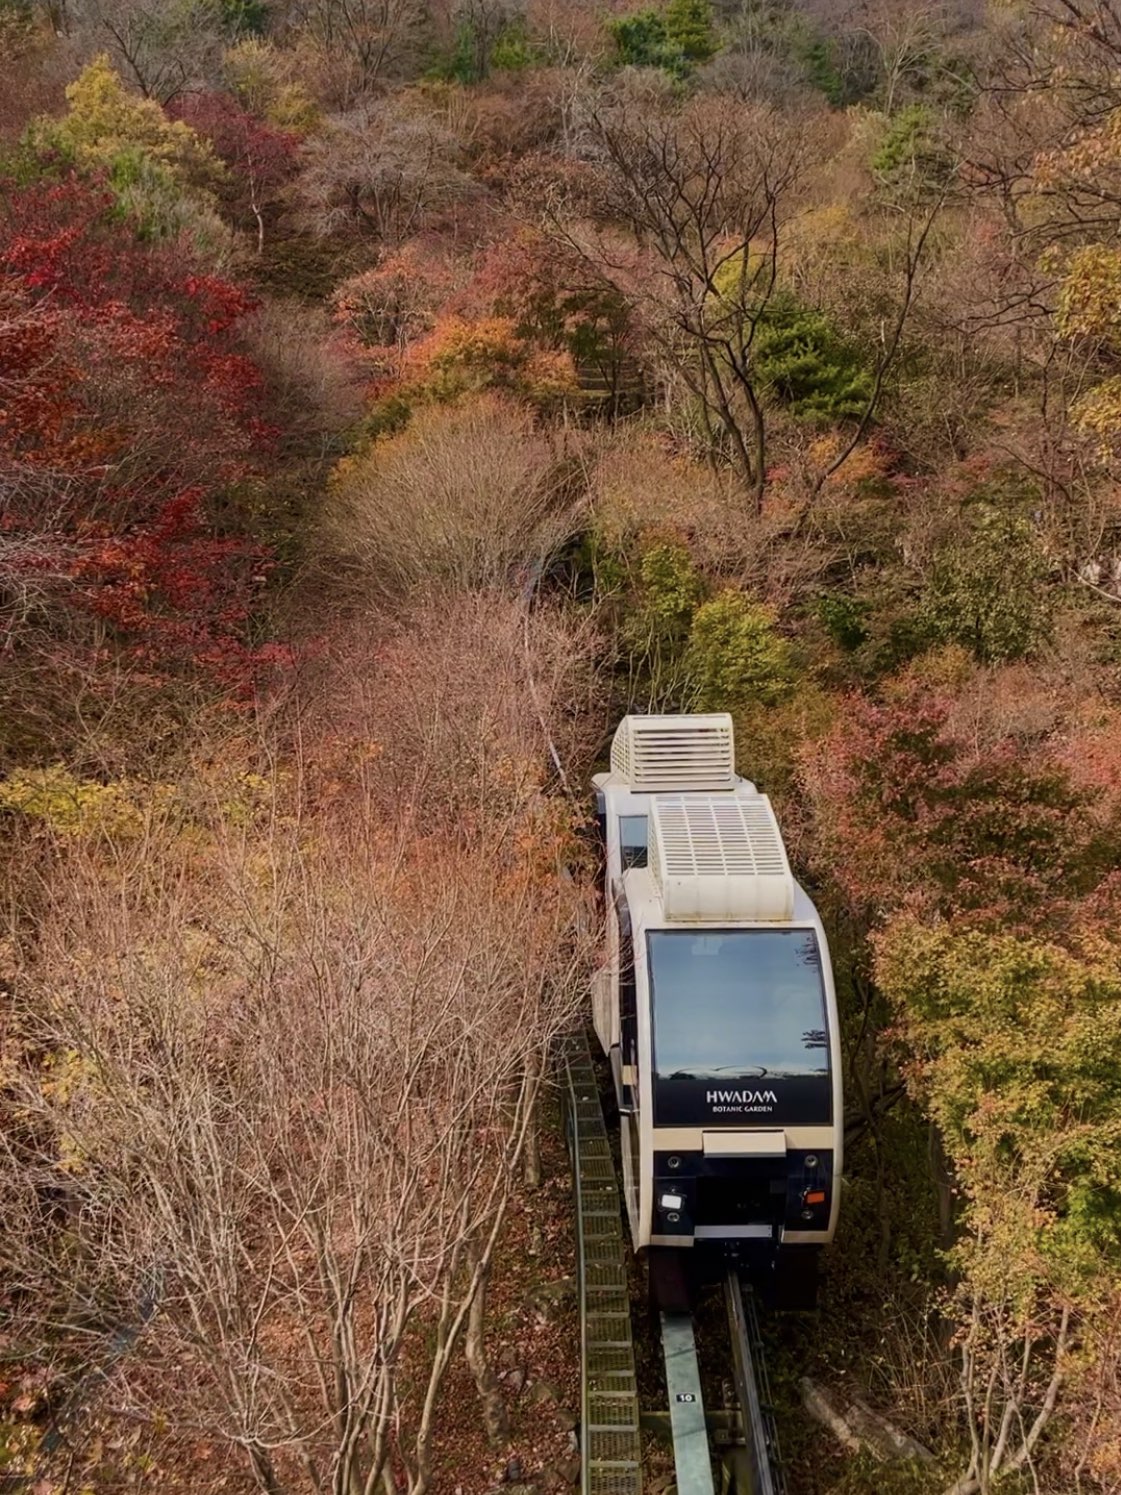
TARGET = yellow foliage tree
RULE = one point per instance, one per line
(1090, 309)
(1084, 175)
(262, 77)
(1090, 299)
(160, 171)
(106, 123)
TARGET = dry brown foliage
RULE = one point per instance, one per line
(313, 385)
(278, 1038)
(449, 717)
(641, 490)
(470, 495)
(278, 1089)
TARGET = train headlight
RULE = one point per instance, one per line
(671, 1201)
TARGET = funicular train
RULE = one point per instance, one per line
(717, 1012)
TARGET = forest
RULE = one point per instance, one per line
(393, 394)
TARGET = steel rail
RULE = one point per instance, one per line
(753, 1391)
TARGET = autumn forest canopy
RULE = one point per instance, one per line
(393, 394)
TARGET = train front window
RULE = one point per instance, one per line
(740, 1031)
(632, 840)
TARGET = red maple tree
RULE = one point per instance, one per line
(128, 414)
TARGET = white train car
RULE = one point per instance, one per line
(717, 1011)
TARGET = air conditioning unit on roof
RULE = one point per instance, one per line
(666, 753)
(715, 859)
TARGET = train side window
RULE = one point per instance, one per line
(633, 840)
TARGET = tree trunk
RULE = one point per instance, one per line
(496, 1419)
(263, 1470)
(944, 1184)
(532, 1162)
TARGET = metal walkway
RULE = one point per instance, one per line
(692, 1459)
(610, 1450)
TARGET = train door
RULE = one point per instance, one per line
(605, 1017)
(628, 1057)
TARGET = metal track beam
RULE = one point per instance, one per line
(691, 1459)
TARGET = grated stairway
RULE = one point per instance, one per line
(609, 1430)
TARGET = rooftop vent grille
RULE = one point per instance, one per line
(720, 859)
(667, 753)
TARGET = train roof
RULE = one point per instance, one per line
(719, 857)
(716, 853)
(659, 754)
(646, 910)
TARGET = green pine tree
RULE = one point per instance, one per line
(689, 29)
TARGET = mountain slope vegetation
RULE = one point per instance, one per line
(394, 393)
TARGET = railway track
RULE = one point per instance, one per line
(610, 1424)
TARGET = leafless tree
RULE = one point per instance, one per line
(470, 496)
(702, 189)
(362, 44)
(272, 1066)
(1012, 1371)
(381, 172)
(279, 1111)
(909, 39)
(163, 49)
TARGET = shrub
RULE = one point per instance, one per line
(988, 591)
(689, 31)
(639, 488)
(266, 83)
(844, 618)
(910, 148)
(105, 122)
(690, 652)
(640, 40)
(675, 39)
(734, 656)
(462, 357)
(162, 175)
(465, 494)
(664, 597)
(670, 593)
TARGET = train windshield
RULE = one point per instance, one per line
(740, 1031)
